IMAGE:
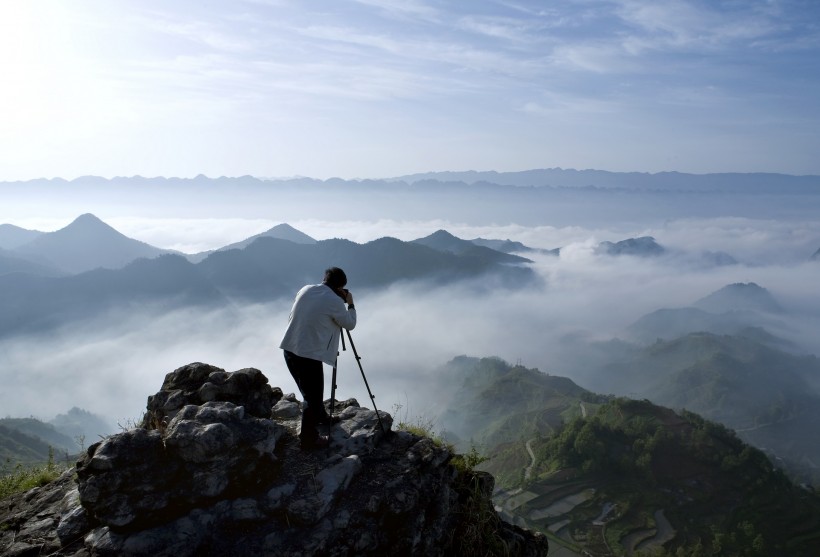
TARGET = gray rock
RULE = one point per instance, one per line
(198, 383)
(286, 410)
(216, 479)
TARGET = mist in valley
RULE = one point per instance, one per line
(110, 364)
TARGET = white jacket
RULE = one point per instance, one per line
(315, 323)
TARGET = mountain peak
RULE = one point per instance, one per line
(739, 297)
(88, 217)
(444, 241)
(285, 231)
(441, 234)
(644, 246)
(90, 222)
(282, 231)
(88, 243)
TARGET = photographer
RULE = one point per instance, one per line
(312, 337)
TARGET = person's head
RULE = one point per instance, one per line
(335, 278)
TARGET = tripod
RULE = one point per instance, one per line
(369, 392)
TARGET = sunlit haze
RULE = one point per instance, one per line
(377, 88)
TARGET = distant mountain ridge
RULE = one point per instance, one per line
(588, 198)
(539, 177)
(86, 243)
(89, 243)
(739, 297)
(560, 177)
(265, 269)
(734, 308)
(282, 231)
(441, 240)
(28, 440)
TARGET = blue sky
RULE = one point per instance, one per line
(378, 88)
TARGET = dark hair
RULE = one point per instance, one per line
(335, 278)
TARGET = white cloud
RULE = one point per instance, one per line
(403, 9)
(112, 365)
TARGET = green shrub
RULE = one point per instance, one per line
(18, 478)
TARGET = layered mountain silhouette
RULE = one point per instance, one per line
(85, 244)
(36, 304)
(732, 309)
(739, 297)
(737, 380)
(282, 231)
(718, 357)
(271, 267)
(263, 268)
(441, 240)
(668, 181)
(560, 197)
(28, 440)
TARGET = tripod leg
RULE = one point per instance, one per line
(372, 396)
(333, 390)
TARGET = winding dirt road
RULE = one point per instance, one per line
(528, 469)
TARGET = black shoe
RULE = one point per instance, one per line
(321, 442)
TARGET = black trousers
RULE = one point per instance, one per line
(310, 378)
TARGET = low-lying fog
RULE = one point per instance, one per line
(109, 367)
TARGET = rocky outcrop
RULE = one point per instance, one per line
(199, 383)
(206, 476)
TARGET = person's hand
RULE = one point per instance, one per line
(345, 295)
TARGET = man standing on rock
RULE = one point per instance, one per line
(312, 337)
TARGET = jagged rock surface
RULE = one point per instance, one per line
(199, 383)
(215, 479)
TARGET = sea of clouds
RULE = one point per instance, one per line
(405, 332)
